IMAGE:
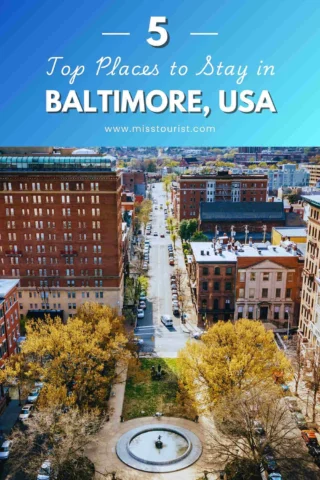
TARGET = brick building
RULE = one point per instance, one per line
(225, 217)
(191, 190)
(256, 281)
(309, 325)
(61, 232)
(9, 318)
(135, 182)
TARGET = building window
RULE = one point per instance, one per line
(251, 292)
(265, 276)
(278, 292)
(242, 277)
(205, 286)
(216, 286)
(264, 293)
(228, 286)
(250, 312)
(290, 277)
(252, 276)
(229, 271)
(288, 292)
(240, 312)
(217, 271)
(276, 313)
(241, 292)
(279, 276)
(205, 271)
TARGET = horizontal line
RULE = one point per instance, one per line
(115, 33)
(204, 33)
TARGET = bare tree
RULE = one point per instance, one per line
(255, 423)
(313, 380)
(298, 363)
(57, 435)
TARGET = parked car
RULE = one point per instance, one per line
(45, 471)
(167, 320)
(148, 232)
(197, 335)
(309, 436)
(269, 463)
(300, 420)
(173, 286)
(174, 296)
(314, 450)
(156, 208)
(173, 276)
(33, 395)
(142, 304)
(275, 476)
(171, 262)
(5, 450)
(175, 309)
(174, 291)
(140, 313)
(143, 296)
(26, 412)
(155, 234)
(145, 266)
(162, 235)
(167, 232)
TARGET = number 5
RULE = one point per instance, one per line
(154, 28)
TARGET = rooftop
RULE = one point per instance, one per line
(204, 252)
(223, 174)
(241, 211)
(53, 163)
(312, 199)
(291, 231)
(7, 284)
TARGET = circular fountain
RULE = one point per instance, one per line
(159, 448)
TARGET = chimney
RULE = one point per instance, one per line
(208, 253)
(250, 241)
(236, 247)
(229, 246)
(202, 252)
(220, 251)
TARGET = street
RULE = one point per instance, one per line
(157, 338)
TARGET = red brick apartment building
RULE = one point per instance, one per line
(191, 190)
(135, 182)
(61, 232)
(9, 318)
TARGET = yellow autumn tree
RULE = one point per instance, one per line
(231, 357)
(76, 360)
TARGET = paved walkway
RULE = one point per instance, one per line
(103, 450)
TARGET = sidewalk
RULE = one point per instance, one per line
(191, 324)
(10, 416)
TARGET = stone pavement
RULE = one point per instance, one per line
(102, 451)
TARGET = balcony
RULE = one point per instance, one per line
(13, 253)
(72, 253)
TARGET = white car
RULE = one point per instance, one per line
(174, 296)
(143, 297)
(26, 412)
(45, 471)
(140, 313)
(33, 395)
(167, 320)
(5, 450)
(155, 234)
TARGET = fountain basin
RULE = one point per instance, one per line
(138, 449)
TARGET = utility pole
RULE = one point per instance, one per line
(246, 231)
(264, 228)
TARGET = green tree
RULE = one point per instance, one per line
(183, 230)
(199, 237)
(293, 198)
(174, 239)
(192, 227)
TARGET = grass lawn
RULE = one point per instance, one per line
(144, 396)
